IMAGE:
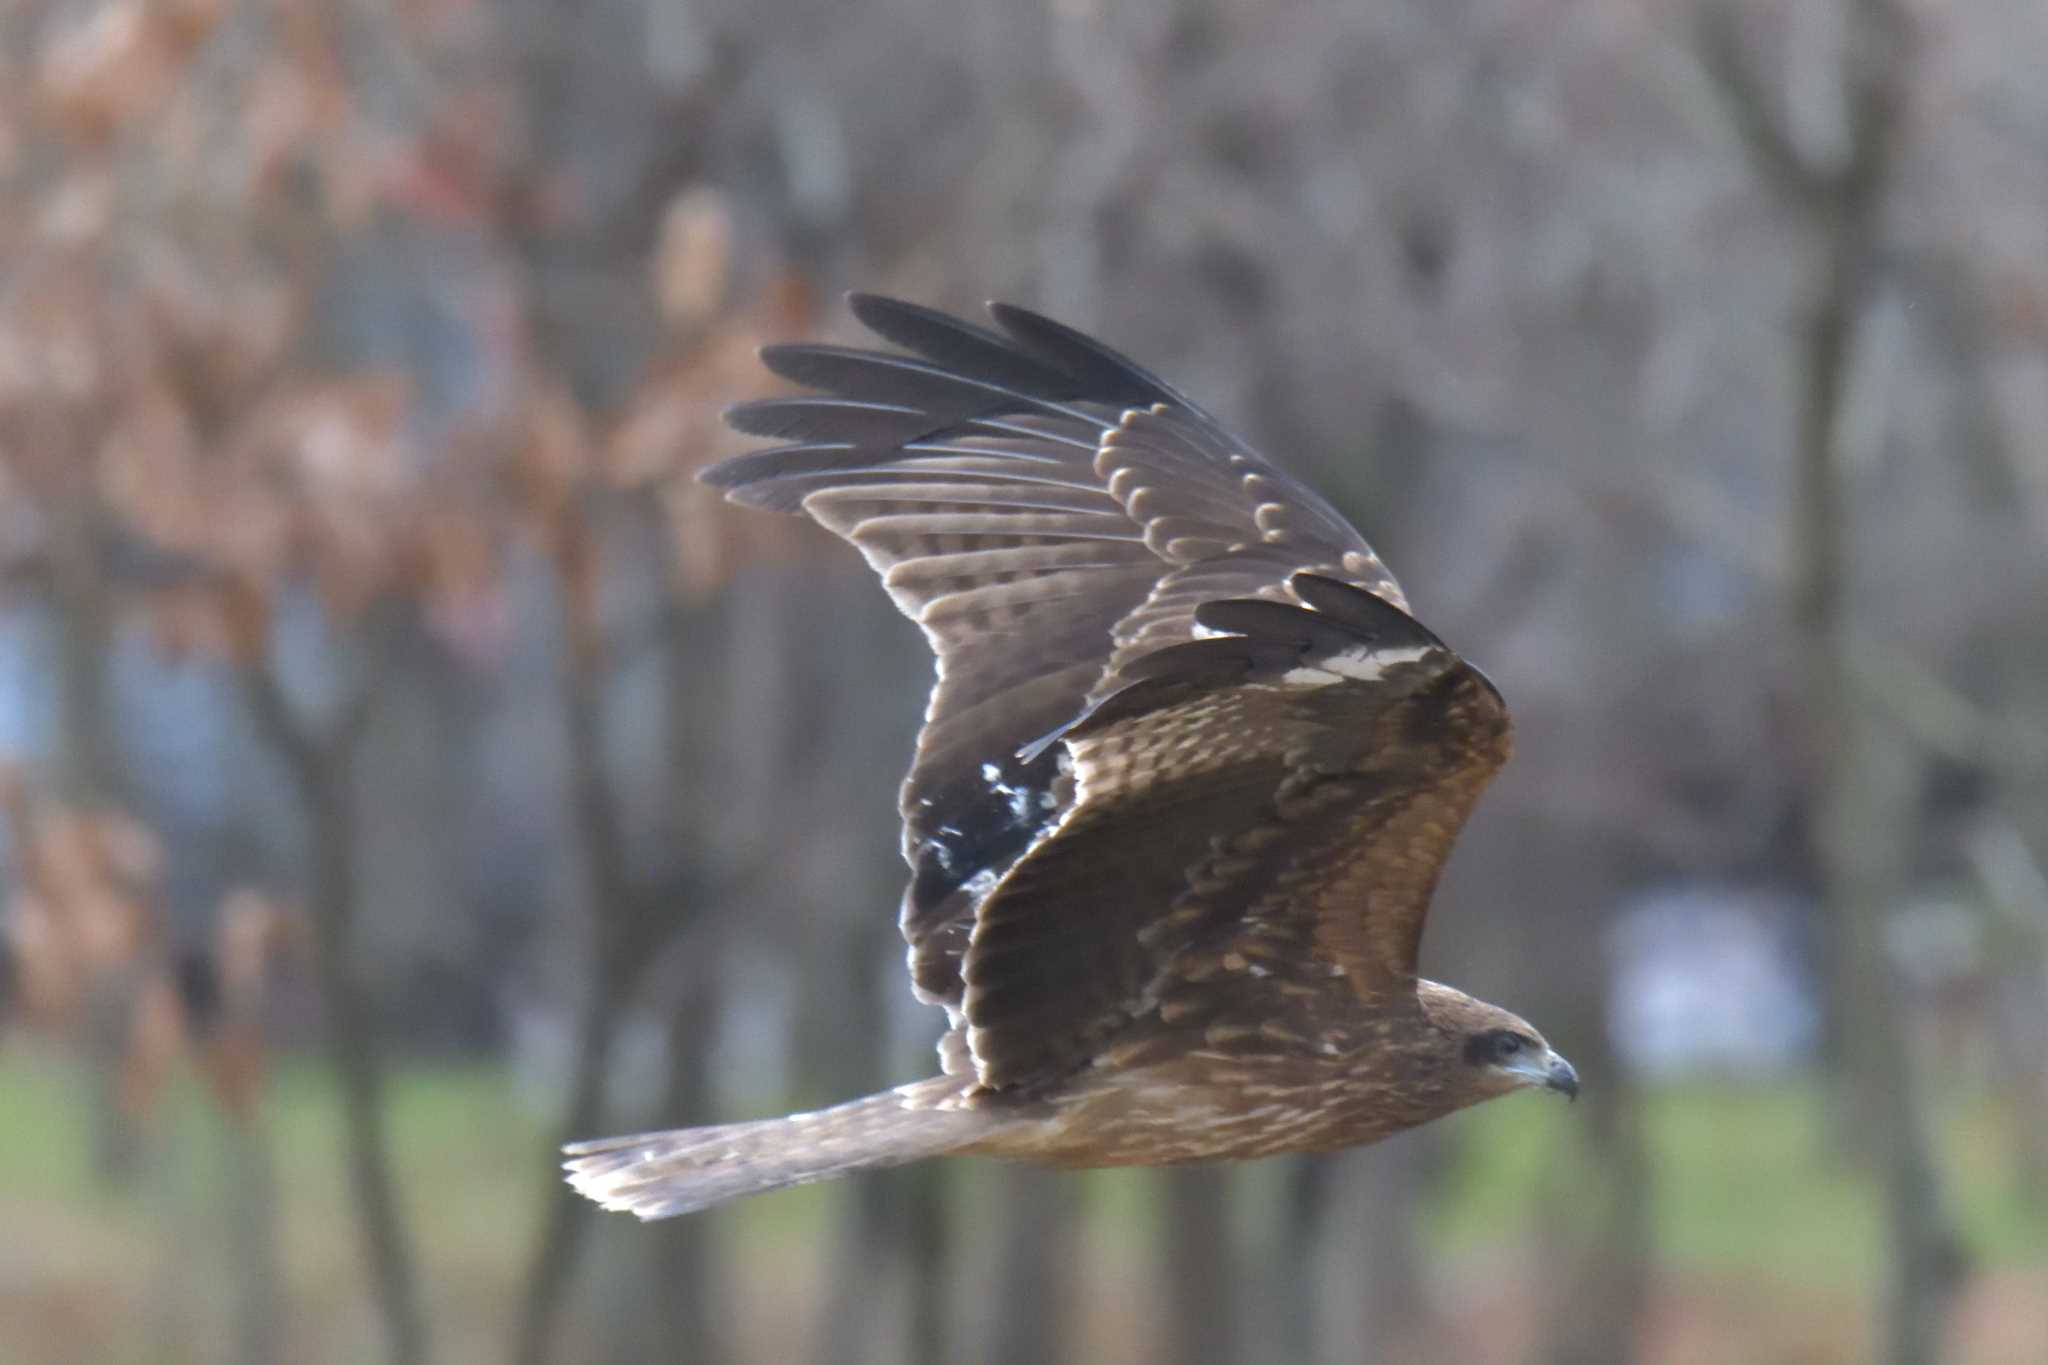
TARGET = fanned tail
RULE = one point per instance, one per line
(660, 1175)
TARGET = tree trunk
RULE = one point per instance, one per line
(251, 1204)
(2013, 887)
(1862, 816)
(892, 1240)
(322, 775)
(88, 768)
(1032, 1301)
(625, 932)
(569, 1215)
(88, 776)
(1201, 1297)
(1862, 789)
(1604, 1281)
(1368, 1291)
(1863, 786)
(1290, 1301)
(683, 1279)
(352, 1037)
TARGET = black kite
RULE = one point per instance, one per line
(1184, 788)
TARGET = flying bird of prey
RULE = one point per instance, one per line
(1185, 783)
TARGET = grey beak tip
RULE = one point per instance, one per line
(1564, 1079)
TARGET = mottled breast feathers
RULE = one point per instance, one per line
(1180, 701)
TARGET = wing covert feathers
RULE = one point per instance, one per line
(1295, 778)
(1163, 666)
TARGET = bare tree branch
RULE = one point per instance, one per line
(321, 769)
(1733, 79)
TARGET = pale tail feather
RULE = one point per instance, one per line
(659, 1175)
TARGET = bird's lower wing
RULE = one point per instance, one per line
(1292, 783)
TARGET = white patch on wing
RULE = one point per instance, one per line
(1363, 664)
(1079, 773)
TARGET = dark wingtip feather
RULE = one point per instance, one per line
(779, 358)
(956, 344)
(882, 425)
(886, 316)
(1099, 369)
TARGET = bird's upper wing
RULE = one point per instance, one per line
(1274, 800)
(1051, 515)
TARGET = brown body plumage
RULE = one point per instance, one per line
(1185, 785)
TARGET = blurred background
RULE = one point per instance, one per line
(404, 767)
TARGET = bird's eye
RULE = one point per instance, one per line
(1508, 1044)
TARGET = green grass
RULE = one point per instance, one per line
(1746, 1187)
(468, 1156)
(154, 1256)
(1746, 1182)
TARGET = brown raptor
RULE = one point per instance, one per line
(1185, 784)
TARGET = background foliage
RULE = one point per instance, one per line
(407, 767)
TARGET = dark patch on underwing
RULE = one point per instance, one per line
(982, 824)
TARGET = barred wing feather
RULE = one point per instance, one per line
(1050, 514)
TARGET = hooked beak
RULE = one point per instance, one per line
(1561, 1077)
(1550, 1071)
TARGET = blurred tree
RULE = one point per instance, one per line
(299, 302)
(1199, 1267)
(611, 517)
(89, 957)
(1863, 783)
(1038, 1240)
(187, 472)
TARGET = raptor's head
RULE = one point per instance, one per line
(1489, 1052)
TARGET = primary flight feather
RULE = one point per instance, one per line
(1184, 788)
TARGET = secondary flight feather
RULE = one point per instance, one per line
(1185, 784)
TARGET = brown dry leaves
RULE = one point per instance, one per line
(173, 190)
(152, 307)
(82, 904)
(85, 935)
(113, 66)
(178, 179)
